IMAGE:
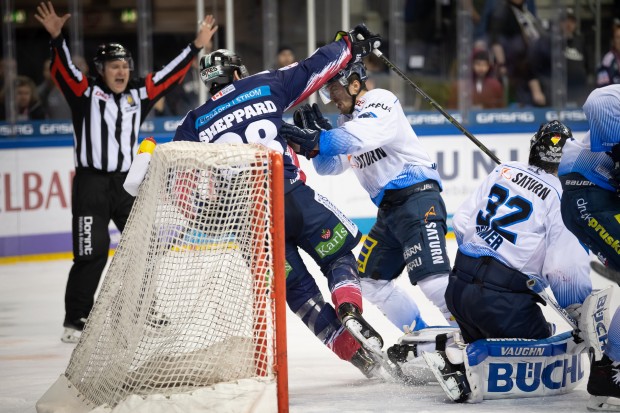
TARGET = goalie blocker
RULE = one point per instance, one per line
(517, 368)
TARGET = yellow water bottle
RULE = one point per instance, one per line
(147, 145)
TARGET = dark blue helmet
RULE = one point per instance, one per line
(112, 51)
(546, 145)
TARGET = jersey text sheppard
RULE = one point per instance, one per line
(236, 117)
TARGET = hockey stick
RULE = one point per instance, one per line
(605, 272)
(436, 105)
(538, 289)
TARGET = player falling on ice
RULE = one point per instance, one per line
(248, 109)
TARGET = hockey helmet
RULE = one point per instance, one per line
(109, 52)
(546, 145)
(217, 69)
(344, 78)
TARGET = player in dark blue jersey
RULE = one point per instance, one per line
(590, 176)
(248, 109)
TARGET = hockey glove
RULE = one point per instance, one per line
(310, 117)
(304, 141)
(361, 41)
(321, 121)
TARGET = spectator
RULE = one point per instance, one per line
(285, 57)
(608, 72)
(482, 12)
(487, 91)
(52, 100)
(574, 53)
(27, 103)
(513, 29)
(8, 74)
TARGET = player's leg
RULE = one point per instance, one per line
(380, 262)
(495, 299)
(604, 383)
(305, 299)
(419, 225)
(91, 243)
(322, 231)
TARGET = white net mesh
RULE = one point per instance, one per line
(186, 302)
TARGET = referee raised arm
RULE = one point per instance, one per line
(107, 111)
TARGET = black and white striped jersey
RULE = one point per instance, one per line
(105, 124)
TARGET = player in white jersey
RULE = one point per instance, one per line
(376, 141)
(509, 231)
(590, 176)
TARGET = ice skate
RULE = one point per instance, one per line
(366, 363)
(72, 331)
(604, 386)
(353, 321)
(412, 365)
(450, 376)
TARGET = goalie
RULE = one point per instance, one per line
(510, 235)
(248, 109)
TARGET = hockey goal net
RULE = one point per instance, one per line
(191, 312)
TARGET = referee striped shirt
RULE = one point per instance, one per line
(106, 125)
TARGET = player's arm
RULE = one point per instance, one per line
(330, 165)
(566, 266)
(310, 74)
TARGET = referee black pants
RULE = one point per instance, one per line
(97, 198)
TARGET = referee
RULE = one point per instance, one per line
(107, 112)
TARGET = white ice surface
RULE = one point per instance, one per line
(32, 355)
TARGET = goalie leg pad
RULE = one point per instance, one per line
(594, 320)
(516, 368)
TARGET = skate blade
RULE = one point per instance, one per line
(427, 334)
(450, 386)
(603, 404)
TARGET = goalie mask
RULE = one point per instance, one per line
(546, 145)
(344, 77)
(217, 69)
